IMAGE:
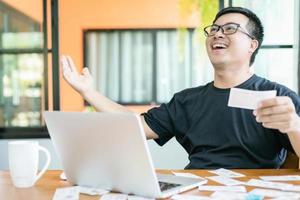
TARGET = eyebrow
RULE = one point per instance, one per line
(226, 23)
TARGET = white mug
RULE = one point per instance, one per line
(23, 159)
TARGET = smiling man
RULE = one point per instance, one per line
(213, 134)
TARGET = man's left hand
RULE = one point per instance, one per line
(278, 113)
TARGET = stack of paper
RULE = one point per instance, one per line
(231, 189)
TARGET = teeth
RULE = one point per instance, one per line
(219, 45)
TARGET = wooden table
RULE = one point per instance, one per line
(44, 189)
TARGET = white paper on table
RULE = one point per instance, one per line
(114, 196)
(189, 197)
(222, 188)
(225, 180)
(268, 184)
(188, 175)
(274, 185)
(66, 193)
(274, 193)
(248, 99)
(133, 197)
(221, 195)
(284, 198)
(227, 173)
(92, 191)
(292, 188)
(281, 178)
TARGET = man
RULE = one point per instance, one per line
(213, 134)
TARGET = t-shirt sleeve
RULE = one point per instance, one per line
(161, 120)
(285, 141)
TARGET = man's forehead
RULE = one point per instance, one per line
(232, 17)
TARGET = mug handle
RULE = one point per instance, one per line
(39, 175)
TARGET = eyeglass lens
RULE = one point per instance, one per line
(226, 29)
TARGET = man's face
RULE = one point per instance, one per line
(235, 49)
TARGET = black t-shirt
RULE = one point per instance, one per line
(215, 135)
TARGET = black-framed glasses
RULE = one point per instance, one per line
(227, 29)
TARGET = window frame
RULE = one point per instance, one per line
(40, 131)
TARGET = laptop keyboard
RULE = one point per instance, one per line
(165, 186)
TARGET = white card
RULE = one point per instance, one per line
(114, 196)
(274, 193)
(227, 173)
(221, 195)
(133, 197)
(225, 180)
(274, 185)
(189, 197)
(284, 198)
(281, 178)
(66, 193)
(268, 184)
(92, 191)
(248, 99)
(292, 188)
(188, 175)
(235, 196)
(222, 188)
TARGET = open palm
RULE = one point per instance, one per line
(81, 82)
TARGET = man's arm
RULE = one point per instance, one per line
(280, 113)
(83, 84)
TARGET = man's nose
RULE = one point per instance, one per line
(219, 33)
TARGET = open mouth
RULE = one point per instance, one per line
(219, 46)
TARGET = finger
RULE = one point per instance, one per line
(285, 108)
(63, 62)
(274, 101)
(65, 65)
(283, 127)
(274, 118)
(67, 74)
(71, 64)
(66, 71)
(86, 72)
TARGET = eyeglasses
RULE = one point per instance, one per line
(227, 29)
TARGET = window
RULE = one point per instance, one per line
(277, 59)
(24, 57)
(145, 66)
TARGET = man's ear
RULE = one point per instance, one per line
(254, 45)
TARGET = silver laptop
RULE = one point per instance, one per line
(110, 151)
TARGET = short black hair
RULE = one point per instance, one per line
(254, 25)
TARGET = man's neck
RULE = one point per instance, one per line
(229, 77)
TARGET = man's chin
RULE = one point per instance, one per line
(218, 64)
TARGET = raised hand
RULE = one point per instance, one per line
(83, 82)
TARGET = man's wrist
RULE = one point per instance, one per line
(294, 132)
(296, 129)
(88, 93)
